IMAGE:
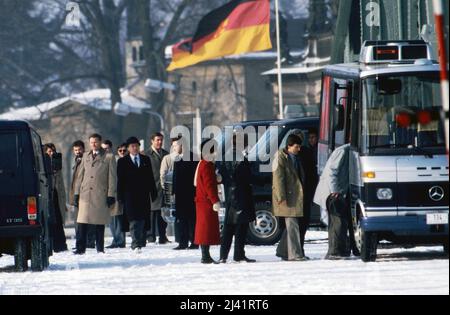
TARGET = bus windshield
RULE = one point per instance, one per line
(402, 112)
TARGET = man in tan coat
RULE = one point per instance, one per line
(95, 193)
(288, 198)
(78, 149)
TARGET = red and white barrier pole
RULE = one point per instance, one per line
(440, 32)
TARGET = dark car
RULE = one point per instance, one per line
(267, 229)
(24, 196)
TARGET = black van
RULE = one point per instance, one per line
(24, 197)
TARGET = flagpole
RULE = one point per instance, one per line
(280, 78)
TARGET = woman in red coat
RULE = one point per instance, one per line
(207, 231)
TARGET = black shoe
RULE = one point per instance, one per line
(223, 261)
(79, 252)
(91, 246)
(356, 252)
(209, 261)
(60, 250)
(193, 247)
(112, 246)
(181, 248)
(151, 239)
(245, 259)
(163, 241)
(122, 246)
(100, 252)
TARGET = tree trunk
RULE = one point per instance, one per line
(154, 68)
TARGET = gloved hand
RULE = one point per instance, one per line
(76, 201)
(216, 207)
(110, 201)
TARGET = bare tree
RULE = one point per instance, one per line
(105, 18)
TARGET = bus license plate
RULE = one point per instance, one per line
(437, 218)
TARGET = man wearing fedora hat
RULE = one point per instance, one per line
(136, 189)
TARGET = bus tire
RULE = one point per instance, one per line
(367, 243)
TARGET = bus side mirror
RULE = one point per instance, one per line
(339, 117)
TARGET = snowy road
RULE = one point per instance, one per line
(160, 270)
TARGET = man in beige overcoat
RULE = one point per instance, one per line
(95, 193)
(288, 198)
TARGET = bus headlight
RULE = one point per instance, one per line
(385, 194)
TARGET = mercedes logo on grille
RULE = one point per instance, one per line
(436, 193)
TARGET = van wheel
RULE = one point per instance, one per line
(367, 243)
(266, 230)
(39, 254)
(20, 255)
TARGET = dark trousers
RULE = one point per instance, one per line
(159, 226)
(59, 237)
(91, 232)
(239, 231)
(351, 229)
(186, 231)
(341, 236)
(138, 234)
(82, 236)
(92, 236)
(119, 239)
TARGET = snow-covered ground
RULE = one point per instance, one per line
(160, 270)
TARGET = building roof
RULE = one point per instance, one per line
(98, 99)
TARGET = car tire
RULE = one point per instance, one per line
(20, 255)
(367, 243)
(39, 254)
(266, 230)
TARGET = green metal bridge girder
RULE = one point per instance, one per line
(360, 20)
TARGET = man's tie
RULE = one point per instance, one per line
(136, 161)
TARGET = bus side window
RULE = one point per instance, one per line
(343, 96)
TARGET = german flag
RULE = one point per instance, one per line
(238, 27)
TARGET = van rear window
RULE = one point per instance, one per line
(11, 169)
(9, 153)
